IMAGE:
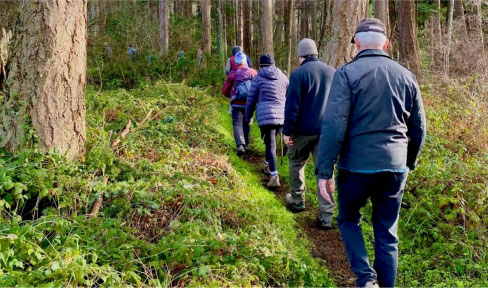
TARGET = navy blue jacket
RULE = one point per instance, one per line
(306, 97)
(268, 92)
(374, 118)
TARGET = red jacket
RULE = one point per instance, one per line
(241, 74)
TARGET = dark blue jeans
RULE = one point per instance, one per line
(268, 134)
(386, 192)
(241, 129)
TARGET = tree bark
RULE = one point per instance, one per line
(393, 25)
(294, 39)
(187, 6)
(325, 23)
(437, 53)
(101, 18)
(303, 19)
(381, 12)
(267, 26)
(289, 32)
(460, 19)
(239, 21)
(409, 46)
(346, 16)
(163, 26)
(447, 42)
(247, 25)
(313, 18)
(206, 36)
(46, 78)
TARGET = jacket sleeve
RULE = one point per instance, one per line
(416, 129)
(252, 99)
(292, 105)
(249, 63)
(228, 85)
(227, 67)
(334, 124)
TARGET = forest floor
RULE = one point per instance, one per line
(327, 245)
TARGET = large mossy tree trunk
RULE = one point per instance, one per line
(346, 16)
(45, 79)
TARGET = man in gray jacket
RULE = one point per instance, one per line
(375, 120)
(304, 110)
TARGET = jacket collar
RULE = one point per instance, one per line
(309, 59)
(371, 52)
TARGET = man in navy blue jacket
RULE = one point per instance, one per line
(304, 110)
(375, 123)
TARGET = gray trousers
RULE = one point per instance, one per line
(298, 155)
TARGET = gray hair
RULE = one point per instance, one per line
(371, 39)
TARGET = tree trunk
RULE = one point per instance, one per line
(437, 53)
(346, 16)
(256, 30)
(187, 4)
(247, 32)
(447, 42)
(294, 39)
(46, 88)
(303, 19)
(325, 23)
(393, 25)
(460, 19)
(239, 27)
(313, 18)
(267, 26)
(381, 12)
(206, 36)
(409, 46)
(289, 32)
(163, 26)
(101, 18)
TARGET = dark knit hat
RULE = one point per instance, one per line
(370, 25)
(236, 49)
(266, 60)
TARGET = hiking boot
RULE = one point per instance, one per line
(241, 150)
(324, 225)
(266, 169)
(274, 182)
(372, 284)
(295, 204)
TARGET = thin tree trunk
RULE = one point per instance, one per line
(294, 39)
(206, 36)
(436, 36)
(325, 23)
(409, 46)
(163, 26)
(267, 26)
(187, 8)
(46, 89)
(304, 19)
(257, 30)
(239, 28)
(313, 18)
(247, 28)
(101, 18)
(460, 19)
(447, 53)
(346, 16)
(393, 25)
(289, 35)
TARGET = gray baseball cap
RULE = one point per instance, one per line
(370, 25)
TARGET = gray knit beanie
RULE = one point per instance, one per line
(307, 47)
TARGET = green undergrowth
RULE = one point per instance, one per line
(179, 208)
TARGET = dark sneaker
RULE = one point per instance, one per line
(241, 150)
(325, 225)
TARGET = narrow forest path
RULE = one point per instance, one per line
(327, 245)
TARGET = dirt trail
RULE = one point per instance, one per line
(327, 245)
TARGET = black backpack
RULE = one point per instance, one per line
(242, 90)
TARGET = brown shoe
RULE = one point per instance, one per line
(274, 182)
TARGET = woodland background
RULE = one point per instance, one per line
(120, 170)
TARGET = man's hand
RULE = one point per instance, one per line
(327, 188)
(251, 121)
(288, 140)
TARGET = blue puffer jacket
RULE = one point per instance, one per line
(268, 92)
